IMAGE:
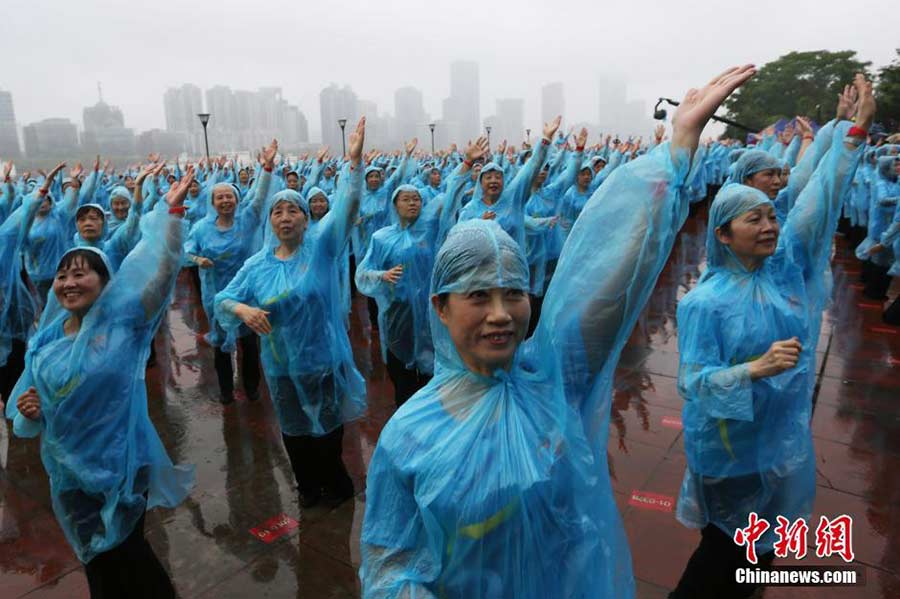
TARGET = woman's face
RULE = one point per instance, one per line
(584, 178)
(119, 207)
(754, 234)
(486, 325)
(409, 205)
(288, 221)
(541, 177)
(45, 206)
(768, 181)
(129, 183)
(492, 183)
(293, 181)
(243, 177)
(224, 201)
(77, 287)
(90, 225)
(373, 180)
(318, 206)
(434, 178)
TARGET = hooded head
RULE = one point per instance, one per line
(288, 216)
(374, 175)
(734, 201)
(318, 203)
(760, 170)
(90, 220)
(490, 180)
(120, 202)
(223, 199)
(81, 276)
(407, 202)
(479, 289)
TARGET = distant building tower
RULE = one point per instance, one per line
(9, 137)
(54, 137)
(337, 103)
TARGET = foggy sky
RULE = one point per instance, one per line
(54, 53)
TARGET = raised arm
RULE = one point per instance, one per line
(598, 292)
(520, 186)
(336, 230)
(89, 187)
(813, 220)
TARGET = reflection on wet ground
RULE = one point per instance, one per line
(242, 533)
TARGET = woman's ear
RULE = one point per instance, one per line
(440, 307)
(723, 237)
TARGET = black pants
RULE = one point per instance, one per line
(876, 279)
(710, 571)
(373, 312)
(536, 304)
(249, 367)
(130, 569)
(317, 463)
(406, 381)
(12, 370)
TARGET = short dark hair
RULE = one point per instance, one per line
(92, 259)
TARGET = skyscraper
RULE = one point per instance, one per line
(181, 106)
(51, 137)
(510, 121)
(337, 103)
(553, 102)
(9, 137)
(411, 120)
(462, 109)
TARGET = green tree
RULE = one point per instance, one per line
(887, 93)
(799, 83)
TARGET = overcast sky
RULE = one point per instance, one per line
(54, 53)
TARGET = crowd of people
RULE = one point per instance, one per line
(503, 284)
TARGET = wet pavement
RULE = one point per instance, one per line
(241, 533)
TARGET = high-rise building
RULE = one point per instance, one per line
(220, 104)
(9, 137)
(182, 104)
(163, 142)
(51, 137)
(409, 112)
(510, 121)
(462, 109)
(553, 102)
(337, 103)
(105, 131)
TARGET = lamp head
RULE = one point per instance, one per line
(204, 118)
(342, 123)
(431, 126)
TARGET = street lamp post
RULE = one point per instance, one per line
(431, 126)
(487, 129)
(343, 123)
(204, 120)
(528, 136)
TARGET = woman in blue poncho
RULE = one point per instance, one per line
(492, 481)
(289, 294)
(396, 270)
(219, 244)
(83, 391)
(747, 339)
(18, 307)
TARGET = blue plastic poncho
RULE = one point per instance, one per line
(312, 231)
(17, 304)
(481, 486)
(105, 461)
(228, 249)
(881, 212)
(307, 359)
(403, 307)
(373, 207)
(748, 442)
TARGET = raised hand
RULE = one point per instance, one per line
(551, 128)
(7, 169)
(49, 179)
(477, 149)
(659, 133)
(321, 154)
(152, 157)
(846, 105)
(501, 149)
(804, 128)
(411, 145)
(865, 111)
(699, 105)
(269, 153)
(145, 172)
(76, 171)
(581, 138)
(179, 190)
(393, 275)
(357, 140)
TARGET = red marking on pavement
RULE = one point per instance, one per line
(869, 305)
(672, 422)
(652, 501)
(274, 528)
(894, 361)
(889, 330)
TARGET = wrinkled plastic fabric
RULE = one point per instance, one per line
(312, 231)
(307, 359)
(749, 443)
(498, 486)
(374, 211)
(403, 307)
(881, 213)
(48, 239)
(228, 249)
(103, 456)
(18, 306)
(752, 162)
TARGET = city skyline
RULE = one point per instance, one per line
(243, 120)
